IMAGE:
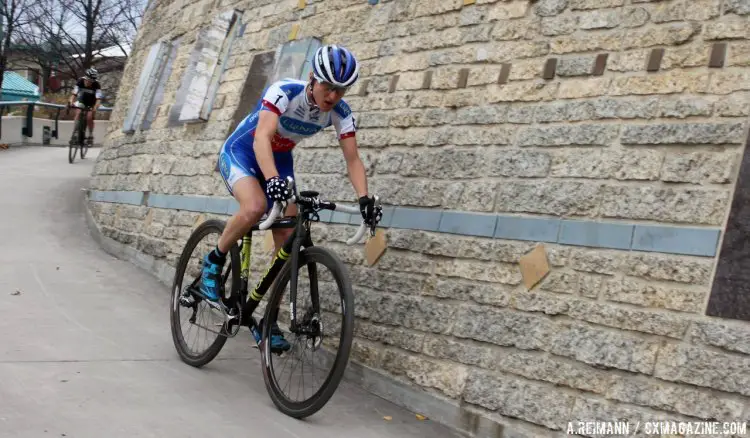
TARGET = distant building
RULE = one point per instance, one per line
(109, 61)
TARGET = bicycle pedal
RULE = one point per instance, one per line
(217, 306)
(187, 300)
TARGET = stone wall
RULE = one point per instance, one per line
(610, 131)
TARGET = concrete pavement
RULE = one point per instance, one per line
(85, 344)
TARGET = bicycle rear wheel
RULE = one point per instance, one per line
(318, 317)
(200, 317)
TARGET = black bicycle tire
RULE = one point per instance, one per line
(73, 148)
(211, 225)
(82, 136)
(318, 400)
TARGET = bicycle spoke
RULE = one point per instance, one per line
(200, 340)
(315, 337)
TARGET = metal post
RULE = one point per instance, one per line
(57, 118)
(28, 130)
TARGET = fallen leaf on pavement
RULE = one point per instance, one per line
(387, 418)
(421, 417)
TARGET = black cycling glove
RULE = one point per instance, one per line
(370, 212)
(278, 189)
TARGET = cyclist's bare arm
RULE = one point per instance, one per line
(98, 99)
(267, 122)
(357, 173)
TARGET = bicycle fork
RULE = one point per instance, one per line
(313, 312)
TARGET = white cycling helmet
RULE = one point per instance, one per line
(92, 73)
(335, 65)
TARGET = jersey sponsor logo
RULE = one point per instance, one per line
(224, 165)
(281, 144)
(299, 127)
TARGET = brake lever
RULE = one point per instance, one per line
(379, 209)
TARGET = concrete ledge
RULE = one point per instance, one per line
(339, 217)
(133, 198)
(468, 224)
(699, 242)
(598, 235)
(416, 218)
(681, 240)
(528, 228)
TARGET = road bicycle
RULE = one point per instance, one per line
(79, 141)
(310, 319)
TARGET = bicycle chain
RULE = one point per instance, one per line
(226, 317)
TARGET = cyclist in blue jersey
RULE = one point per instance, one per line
(256, 159)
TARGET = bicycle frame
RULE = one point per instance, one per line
(307, 210)
(82, 124)
(251, 298)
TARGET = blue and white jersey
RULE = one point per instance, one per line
(298, 119)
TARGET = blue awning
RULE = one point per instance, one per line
(16, 87)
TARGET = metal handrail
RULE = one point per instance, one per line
(28, 130)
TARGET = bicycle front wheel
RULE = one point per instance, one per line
(72, 153)
(323, 338)
(82, 135)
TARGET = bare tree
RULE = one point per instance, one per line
(15, 16)
(44, 46)
(72, 35)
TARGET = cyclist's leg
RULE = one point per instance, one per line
(90, 122)
(243, 177)
(74, 133)
(237, 170)
(246, 189)
(285, 166)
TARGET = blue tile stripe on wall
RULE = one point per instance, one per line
(588, 233)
